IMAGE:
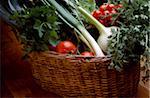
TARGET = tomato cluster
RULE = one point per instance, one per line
(105, 12)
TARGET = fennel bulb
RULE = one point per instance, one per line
(104, 32)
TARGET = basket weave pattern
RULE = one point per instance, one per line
(70, 76)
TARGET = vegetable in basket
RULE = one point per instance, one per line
(105, 32)
(75, 23)
(107, 13)
(87, 53)
(66, 47)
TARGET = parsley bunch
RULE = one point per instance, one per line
(38, 26)
(132, 41)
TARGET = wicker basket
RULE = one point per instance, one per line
(76, 76)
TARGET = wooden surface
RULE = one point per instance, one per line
(17, 80)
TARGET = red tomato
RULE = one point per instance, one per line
(113, 12)
(96, 14)
(108, 15)
(106, 12)
(110, 7)
(107, 21)
(103, 7)
(102, 21)
(87, 53)
(66, 47)
(119, 6)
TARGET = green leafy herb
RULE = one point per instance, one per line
(133, 39)
(38, 26)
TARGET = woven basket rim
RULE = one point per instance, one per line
(71, 57)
